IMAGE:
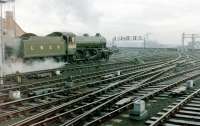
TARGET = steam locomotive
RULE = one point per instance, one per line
(62, 47)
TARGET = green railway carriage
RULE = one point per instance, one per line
(63, 46)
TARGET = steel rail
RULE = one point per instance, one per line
(75, 120)
(36, 97)
(38, 116)
(174, 109)
(60, 80)
(87, 84)
(56, 109)
(156, 92)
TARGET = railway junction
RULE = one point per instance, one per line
(122, 91)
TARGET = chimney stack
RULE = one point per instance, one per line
(9, 24)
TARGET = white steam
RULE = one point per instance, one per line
(12, 42)
(12, 67)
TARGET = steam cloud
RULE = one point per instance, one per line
(11, 67)
(12, 42)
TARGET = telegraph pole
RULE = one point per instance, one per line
(144, 42)
(183, 45)
(2, 45)
(193, 41)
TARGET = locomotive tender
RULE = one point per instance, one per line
(63, 47)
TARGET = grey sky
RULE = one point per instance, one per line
(165, 19)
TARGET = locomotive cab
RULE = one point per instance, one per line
(71, 44)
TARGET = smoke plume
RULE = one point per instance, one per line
(11, 67)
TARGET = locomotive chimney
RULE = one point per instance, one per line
(9, 24)
(98, 35)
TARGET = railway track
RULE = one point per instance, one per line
(77, 69)
(57, 97)
(58, 84)
(126, 69)
(184, 112)
(149, 55)
(106, 91)
(92, 106)
(70, 72)
(47, 81)
(94, 98)
(62, 98)
(109, 108)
